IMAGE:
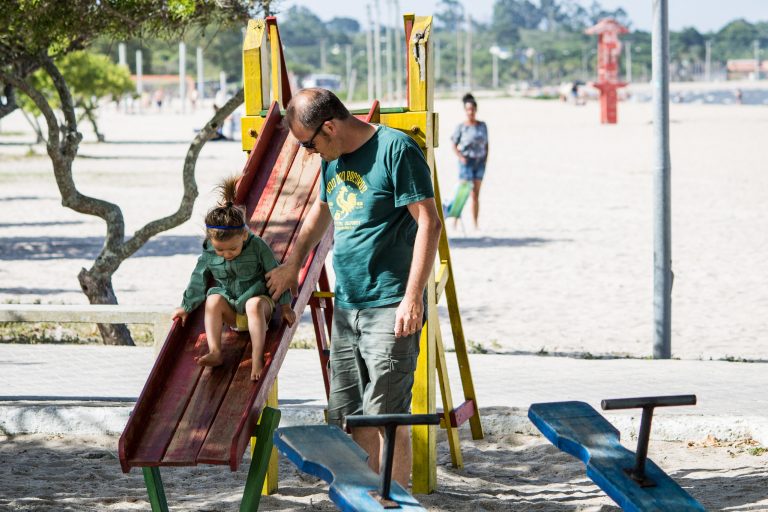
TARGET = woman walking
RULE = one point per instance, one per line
(470, 143)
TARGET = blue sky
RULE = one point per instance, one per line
(705, 15)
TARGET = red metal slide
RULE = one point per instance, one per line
(187, 414)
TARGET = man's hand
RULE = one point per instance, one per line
(287, 314)
(408, 317)
(181, 314)
(282, 278)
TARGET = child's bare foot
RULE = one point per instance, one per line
(256, 366)
(210, 359)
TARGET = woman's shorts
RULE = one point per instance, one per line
(473, 170)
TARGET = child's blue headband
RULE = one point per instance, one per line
(241, 226)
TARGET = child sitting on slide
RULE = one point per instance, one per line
(237, 260)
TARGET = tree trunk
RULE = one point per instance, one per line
(89, 112)
(98, 289)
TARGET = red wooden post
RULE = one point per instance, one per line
(608, 52)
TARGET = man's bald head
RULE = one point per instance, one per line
(311, 107)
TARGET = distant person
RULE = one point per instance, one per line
(470, 143)
(193, 97)
(575, 92)
(738, 95)
(158, 98)
(237, 261)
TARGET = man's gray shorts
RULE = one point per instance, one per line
(371, 370)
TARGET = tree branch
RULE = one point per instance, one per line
(10, 104)
(184, 212)
(42, 104)
(72, 137)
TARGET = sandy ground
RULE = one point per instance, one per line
(563, 261)
(43, 473)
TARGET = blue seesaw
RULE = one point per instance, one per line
(632, 480)
(326, 452)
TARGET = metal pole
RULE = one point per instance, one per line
(468, 52)
(121, 60)
(139, 73)
(369, 54)
(459, 80)
(495, 63)
(390, 70)
(377, 48)
(398, 51)
(629, 61)
(662, 238)
(182, 76)
(323, 60)
(223, 84)
(348, 54)
(200, 79)
(139, 78)
(756, 46)
(708, 61)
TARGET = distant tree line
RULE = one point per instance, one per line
(542, 40)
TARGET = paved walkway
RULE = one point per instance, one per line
(91, 389)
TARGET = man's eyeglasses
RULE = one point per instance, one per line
(310, 144)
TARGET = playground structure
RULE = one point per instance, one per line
(188, 415)
(635, 483)
(608, 53)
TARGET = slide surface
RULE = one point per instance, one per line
(188, 414)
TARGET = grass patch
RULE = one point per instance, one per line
(757, 451)
(303, 343)
(476, 347)
(33, 333)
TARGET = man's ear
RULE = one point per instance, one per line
(331, 127)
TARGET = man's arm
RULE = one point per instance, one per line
(286, 276)
(408, 318)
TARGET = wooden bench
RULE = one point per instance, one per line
(158, 316)
(326, 452)
(634, 482)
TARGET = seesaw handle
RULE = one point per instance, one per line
(648, 404)
(390, 422)
(611, 404)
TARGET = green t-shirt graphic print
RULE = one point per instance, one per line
(367, 192)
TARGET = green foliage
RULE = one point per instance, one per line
(89, 77)
(29, 28)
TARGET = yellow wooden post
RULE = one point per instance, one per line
(424, 439)
(270, 481)
(277, 84)
(255, 88)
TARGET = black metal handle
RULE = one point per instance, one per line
(648, 404)
(381, 420)
(611, 404)
(390, 422)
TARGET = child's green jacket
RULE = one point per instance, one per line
(237, 280)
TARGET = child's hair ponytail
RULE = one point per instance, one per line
(226, 220)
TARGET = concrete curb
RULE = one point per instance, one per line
(109, 418)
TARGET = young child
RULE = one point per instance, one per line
(237, 260)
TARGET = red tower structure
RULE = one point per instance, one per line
(608, 52)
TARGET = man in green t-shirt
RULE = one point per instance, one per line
(376, 190)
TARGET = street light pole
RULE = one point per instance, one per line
(662, 239)
(756, 46)
(708, 60)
